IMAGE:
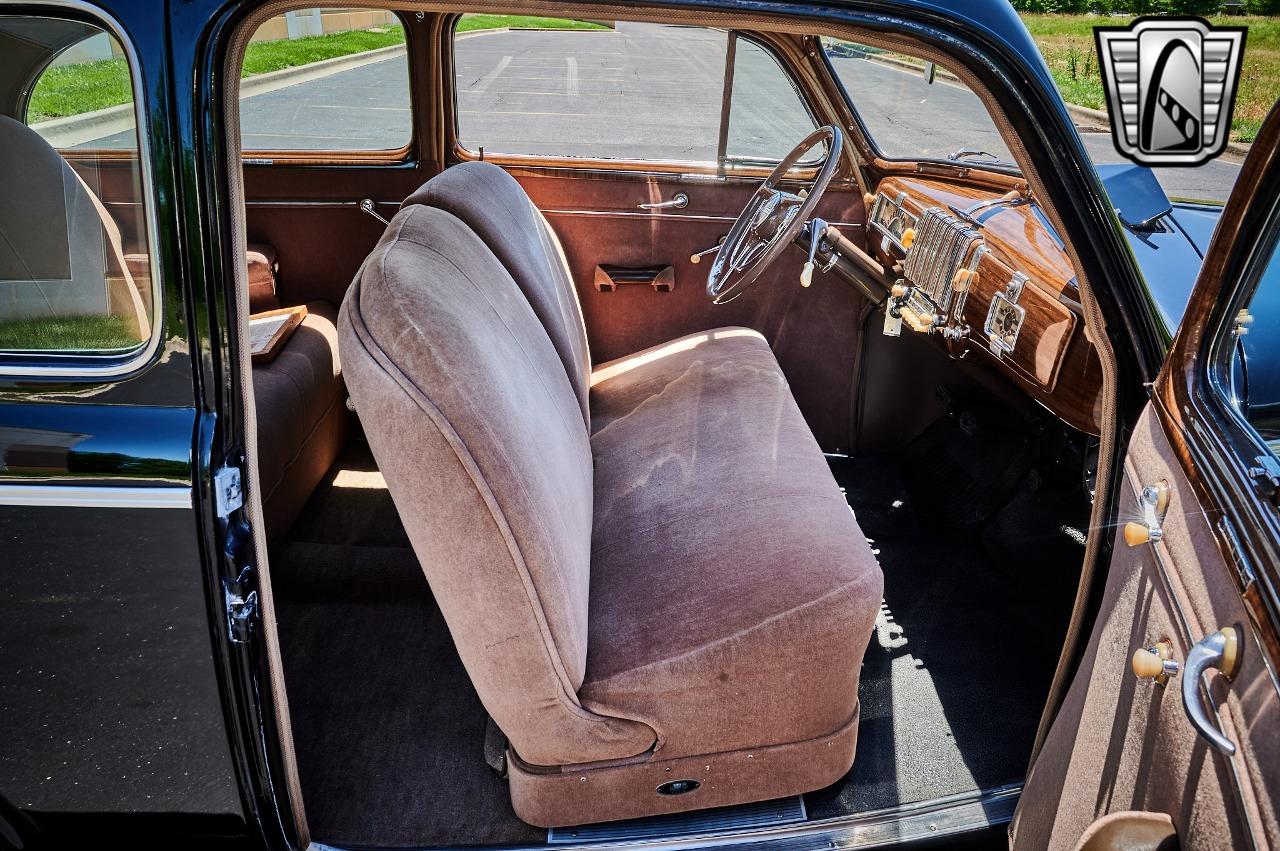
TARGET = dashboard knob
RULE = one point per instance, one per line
(898, 290)
(964, 279)
(908, 237)
(868, 199)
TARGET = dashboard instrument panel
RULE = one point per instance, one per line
(987, 277)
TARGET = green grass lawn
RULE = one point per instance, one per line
(1068, 47)
(470, 23)
(74, 89)
(68, 333)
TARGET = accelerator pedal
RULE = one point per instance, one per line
(721, 820)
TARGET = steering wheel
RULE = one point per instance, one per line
(772, 220)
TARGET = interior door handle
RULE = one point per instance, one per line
(1217, 650)
(678, 202)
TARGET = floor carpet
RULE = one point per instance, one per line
(957, 672)
(389, 733)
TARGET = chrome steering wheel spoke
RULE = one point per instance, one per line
(772, 219)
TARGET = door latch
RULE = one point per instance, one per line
(228, 492)
(241, 600)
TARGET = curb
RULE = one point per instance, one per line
(75, 130)
(1096, 119)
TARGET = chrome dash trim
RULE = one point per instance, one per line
(94, 496)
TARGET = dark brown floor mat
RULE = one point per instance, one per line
(388, 730)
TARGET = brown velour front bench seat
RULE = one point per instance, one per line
(652, 578)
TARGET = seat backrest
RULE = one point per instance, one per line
(60, 254)
(496, 207)
(478, 433)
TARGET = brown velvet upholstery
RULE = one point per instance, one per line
(685, 588)
(707, 484)
(491, 203)
(481, 440)
(1122, 744)
(302, 416)
(261, 263)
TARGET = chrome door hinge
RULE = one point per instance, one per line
(1266, 472)
(227, 490)
(242, 605)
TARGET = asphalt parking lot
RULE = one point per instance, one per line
(642, 91)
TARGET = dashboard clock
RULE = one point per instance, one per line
(1004, 322)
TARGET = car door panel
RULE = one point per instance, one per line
(815, 332)
(310, 214)
(1120, 743)
(1183, 575)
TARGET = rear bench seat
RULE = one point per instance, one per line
(648, 569)
(300, 401)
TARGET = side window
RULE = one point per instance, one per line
(880, 85)
(75, 265)
(326, 80)
(629, 91)
(1255, 366)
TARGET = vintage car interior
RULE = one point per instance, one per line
(602, 486)
(625, 461)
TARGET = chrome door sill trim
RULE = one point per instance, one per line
(94, 496)
(951, 816)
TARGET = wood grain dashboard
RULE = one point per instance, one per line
(996, 284)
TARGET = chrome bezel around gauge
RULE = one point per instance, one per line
(887, 212)
(999, 342)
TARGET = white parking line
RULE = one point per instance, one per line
(571, 77)
(484, 82)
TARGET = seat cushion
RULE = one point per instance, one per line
(732, 593)
(302, 418)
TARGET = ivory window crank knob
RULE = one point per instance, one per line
(1154, 663)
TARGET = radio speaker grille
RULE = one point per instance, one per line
(941, 246)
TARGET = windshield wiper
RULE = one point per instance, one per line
(966, 153)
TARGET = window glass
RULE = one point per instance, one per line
(627, 91)
(1255, 379)
(326, 80)
(908, 117)
(75, 270)
(767, 117)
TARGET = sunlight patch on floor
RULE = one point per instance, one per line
(365, 479)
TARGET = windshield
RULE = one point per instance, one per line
(906, 116)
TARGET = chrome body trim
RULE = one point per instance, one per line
(44, 364)
(94, 496)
